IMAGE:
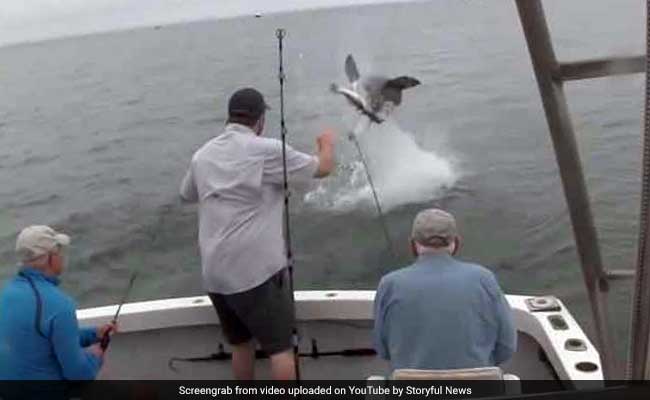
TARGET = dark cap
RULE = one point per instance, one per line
(247, 103)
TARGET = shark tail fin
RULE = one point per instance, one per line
(351, 69)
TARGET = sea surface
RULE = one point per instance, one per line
(96, 133)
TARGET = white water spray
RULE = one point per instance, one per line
(403, 173)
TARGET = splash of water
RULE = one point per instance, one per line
(402, 171)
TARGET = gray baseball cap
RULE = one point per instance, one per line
(39, 240)
(432, 226)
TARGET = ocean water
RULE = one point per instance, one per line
(97, 131)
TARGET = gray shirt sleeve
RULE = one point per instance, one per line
(188, 188)
(301, 167)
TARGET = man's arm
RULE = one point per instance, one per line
(88, 336)
(326, 164)
(76, 363)
(379, 331)
(301, 168)
(188, 189)
(506, 343)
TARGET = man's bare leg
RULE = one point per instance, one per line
(283, 366)
(243, 361)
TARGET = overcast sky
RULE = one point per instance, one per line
(28, 20)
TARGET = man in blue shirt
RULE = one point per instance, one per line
(441, 313)
(40, 338)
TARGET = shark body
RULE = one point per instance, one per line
(380, 93)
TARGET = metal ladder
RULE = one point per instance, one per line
(551, 75)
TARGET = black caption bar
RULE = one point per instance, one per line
(366, 390)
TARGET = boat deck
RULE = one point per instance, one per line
(154, 348)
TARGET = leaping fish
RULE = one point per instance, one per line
(382, 94)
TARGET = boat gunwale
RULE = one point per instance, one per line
(333, 305)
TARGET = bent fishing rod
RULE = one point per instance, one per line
(280, 34)
(106, 338)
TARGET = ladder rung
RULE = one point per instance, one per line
(602, 67)
(620, 274)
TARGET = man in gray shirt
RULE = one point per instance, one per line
(237, 179)
(440, 312)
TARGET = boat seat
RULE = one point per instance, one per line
(473, 374)
(512, 386)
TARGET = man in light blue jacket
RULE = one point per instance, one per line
(440, 312)
(40, 338)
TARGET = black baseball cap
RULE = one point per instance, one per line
(247, 103)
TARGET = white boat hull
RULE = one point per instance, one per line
(153, 332)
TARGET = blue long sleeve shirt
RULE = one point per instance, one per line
(58, 354)
(441, 313)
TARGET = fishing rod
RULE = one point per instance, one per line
(280, 34)
(222, 355)
(382, 218)
(106, 338)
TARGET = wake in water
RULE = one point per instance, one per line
(403, 173)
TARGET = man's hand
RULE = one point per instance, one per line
(326, 139)
(325, 143)
(95, 350)
(109, 329)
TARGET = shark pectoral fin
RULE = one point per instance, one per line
(402, 82)
(351, 69)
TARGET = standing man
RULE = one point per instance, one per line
(237, 179)
(440, 312)
(40, 338)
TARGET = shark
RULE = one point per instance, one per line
(374, 96)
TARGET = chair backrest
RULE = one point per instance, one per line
(471, 374)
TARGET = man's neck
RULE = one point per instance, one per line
(44, 270)
(241, 128)
(430, 253)
(420, 249)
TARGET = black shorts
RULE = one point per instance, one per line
(264, 313)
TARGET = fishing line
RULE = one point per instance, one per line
(380, 213)
(280, 34)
